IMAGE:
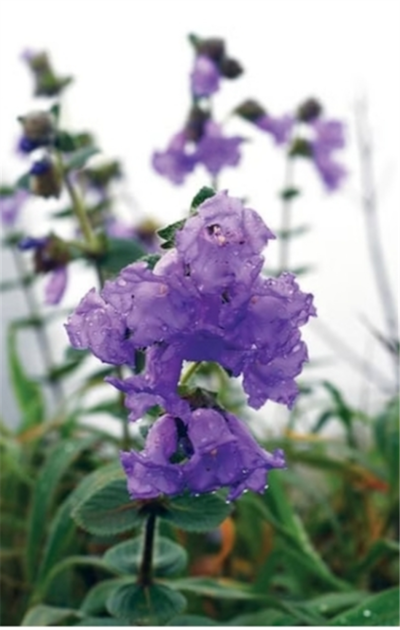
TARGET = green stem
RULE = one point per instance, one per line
(80, 212)
(286, 216)
(43, 341)
(189, 372)
(146, 569)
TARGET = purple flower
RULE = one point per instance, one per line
(56, 286)
(221, 245)
(329, 137)
(10, 206)
(176, 162)
(215, 151)
(332, 173)
(205, 77)
(50, 261)
(150, 472)
(279, 127)
(95, 324)
(206, 450)
(204, 301)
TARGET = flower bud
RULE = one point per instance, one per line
(194, 128)
(309, 110)
(250, 110)
(45, 180)
(213, 48)
(38, 127)
(230, 68)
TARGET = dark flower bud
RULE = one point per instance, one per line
(45, 180)
(230, 68)
(194, 127)
(250, 110)
(38, 127)
(47, 83)
(213, 48)
(301, 147)
(309, 110)
(50, 252)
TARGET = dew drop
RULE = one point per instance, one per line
(196, 494)
(367, 613)
(227, 502)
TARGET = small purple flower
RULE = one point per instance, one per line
(176, 162)
(205, 451)
(56, 285)
(215, 151)
(205, 77)
(11, 205)
(329, 137)
(279, 127)
(51, 262)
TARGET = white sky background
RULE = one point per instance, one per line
(131, 61)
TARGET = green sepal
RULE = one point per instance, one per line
(147, 605)
(169, 558)
(204, 193)
(167, 234)
(301, 148)
(120, 253)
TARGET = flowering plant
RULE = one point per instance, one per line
(181, 332)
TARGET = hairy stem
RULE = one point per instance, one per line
(189, 372)
(146, 568)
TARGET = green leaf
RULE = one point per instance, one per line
(379, 610)
(151, 605)
(43, 615)
(120, 253)
(331, 604)
(79, 158)
(57, 464)
(168, 233)
(196, 514)
(65, 142)
(62, 525)
(108, 511)
(95, 600)
(27, 392)
(192, 620)
(169, 558)
(99, 622)
(218, 588)
(386, 427)
(379, 551)
(280, 513)
(204, 193)
(290, 193)
(151, 260)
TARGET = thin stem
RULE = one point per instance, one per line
(145, 571)
(370, 207)
(43, 341)
(189, 372)
(80, 211)
(286, 216)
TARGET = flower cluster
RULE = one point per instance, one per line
(211, 149)
(50, 258)
(205, 300)
(211, 64)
